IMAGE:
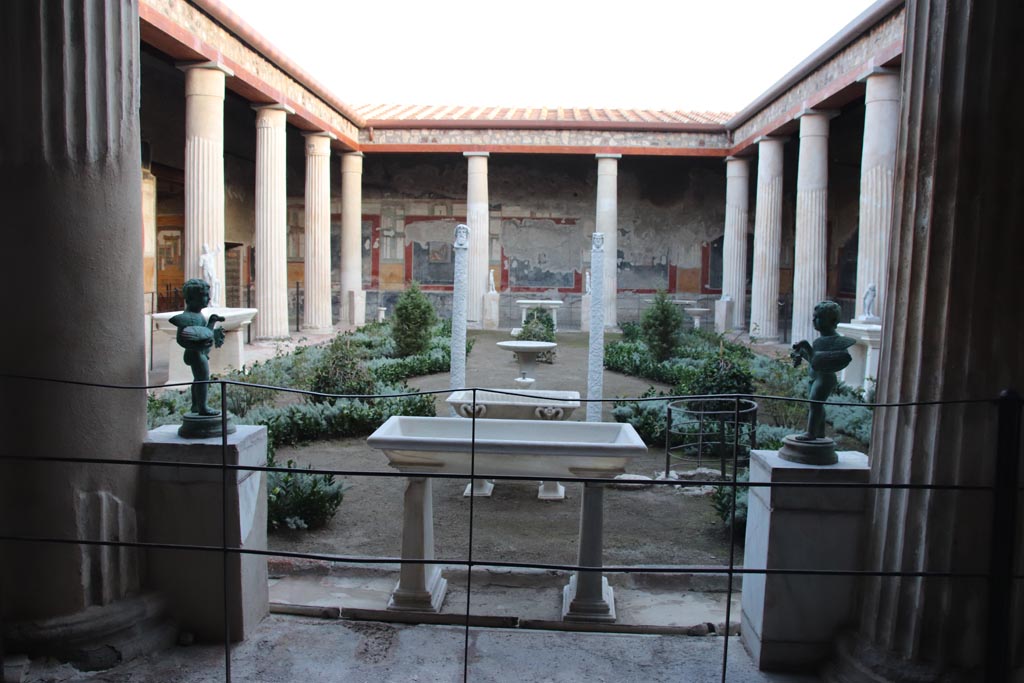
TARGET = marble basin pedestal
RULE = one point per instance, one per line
(515, 405)
(230, 355)
(526, 354)
(541, 449)
(696, 314)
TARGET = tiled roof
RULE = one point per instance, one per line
(384, 115)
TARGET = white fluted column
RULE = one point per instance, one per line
(734, 244)
(73, 260)
(271, 320)
(353, 300)
(478, 217)
(317, 311)
(811, 242)
(607, 224)
(764, 294)
(204, 167)
(952, 330)
(881, 124)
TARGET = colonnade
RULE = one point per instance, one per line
(881, 119)
(204, 209)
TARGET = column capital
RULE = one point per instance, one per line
(737, 166)
(216, 66)
(770, 138)
(353, 154)
(476, 154)
(811, 111)
(319, 133)
(274, 106)
(814, 123)
(607, 156)
(877, 71)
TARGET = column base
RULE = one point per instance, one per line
(481, 488)
(98, 637)
(856, 661)
(428, 600)
(550, 490)
(599, 609)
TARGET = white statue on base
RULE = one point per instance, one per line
(490, 282)
(869, 302)
(208, 268)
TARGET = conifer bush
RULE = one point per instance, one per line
(414, 316)
(660, 327)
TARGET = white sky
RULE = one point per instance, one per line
(698, 55)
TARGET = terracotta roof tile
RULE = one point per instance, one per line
(382, 114)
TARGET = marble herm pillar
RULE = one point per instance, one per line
(353, 300)
(478, 217)
(881, 125)
(204, 167)
(70, 164)
(608, 225)
(764, 295)
(952, 330)
(809, 284)
(317, 312)
(271, 320)
(734, 244)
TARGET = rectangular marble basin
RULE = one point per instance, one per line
(541, 449)
(528, 405)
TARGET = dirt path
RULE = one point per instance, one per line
(658, 525)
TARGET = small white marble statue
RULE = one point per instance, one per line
(490, 282)
(587, 288)
(208, 267)
(869, 301)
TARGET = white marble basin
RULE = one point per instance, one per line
(528, 405)
(230, 355)
(234, 318)
(526, 353)
(541, 449)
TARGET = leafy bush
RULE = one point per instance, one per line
(414, 316)
(660, 327)
(727, 373)
(340, 372)
(544, 317)
(392, 370)
(300, 500)
(302, 422)
(539, 328)
(631, 331)
(647, 417)
(778, 377)
(721, 500)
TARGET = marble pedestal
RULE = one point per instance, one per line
(421, 588)
(863, 369)
(356, 307)
(588, 597)
(491, 310)
(183, 505)
(723, 315)
(789, 622)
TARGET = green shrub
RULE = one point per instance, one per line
(413, 318)
(726, 373)
(539, 329)
(301, 500)
(631, 331)
(660, 327)
(544, 317)
(647, 417)
(721, 500)
(340, 371)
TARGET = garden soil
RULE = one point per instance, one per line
(642, 526)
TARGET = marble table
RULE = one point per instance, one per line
(230, 355)
(551, 304)
(526, 353)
